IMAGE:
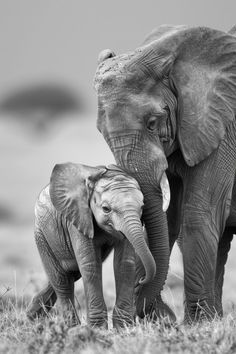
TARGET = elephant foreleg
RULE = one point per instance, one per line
(206, 207)
(222, 255)
(199, 246)
(124, 269)
(89, 259)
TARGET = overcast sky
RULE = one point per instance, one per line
(60, 39)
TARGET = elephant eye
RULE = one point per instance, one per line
(106, 209)
(152, 123)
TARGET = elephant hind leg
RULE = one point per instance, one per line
(222, 255)
(60, 280)
(42, 302)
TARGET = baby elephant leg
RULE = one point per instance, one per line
(89, 258)
(42, 302)
(61, 281)
(124, 269)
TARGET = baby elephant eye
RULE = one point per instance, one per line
(106, 209)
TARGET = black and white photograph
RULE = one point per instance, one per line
(117, 177)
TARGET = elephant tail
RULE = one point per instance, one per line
(42, 303)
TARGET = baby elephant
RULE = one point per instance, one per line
(80, 216)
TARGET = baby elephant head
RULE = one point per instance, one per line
(108, 193)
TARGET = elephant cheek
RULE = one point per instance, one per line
(140, 157)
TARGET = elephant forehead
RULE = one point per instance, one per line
(117, 86)
(113, 66)
(116, 183)
(120, 197)
(115, 75)
(125, 103)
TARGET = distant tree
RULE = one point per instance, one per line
(41, 104)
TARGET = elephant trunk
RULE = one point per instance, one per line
(133, 231)
(132, 153)
(157, 229)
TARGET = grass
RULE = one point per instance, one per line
(51, 335)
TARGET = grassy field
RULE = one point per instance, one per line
(27, 159)
(18, 335)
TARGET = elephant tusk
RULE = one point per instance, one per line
(165, 188)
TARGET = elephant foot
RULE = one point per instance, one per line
(219, 308)
(122, 318)
(70, 318)
(160, 311)
(98, 320)
(67, 311)
(42, 303)
(200, 311)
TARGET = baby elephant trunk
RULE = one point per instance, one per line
(133, 231)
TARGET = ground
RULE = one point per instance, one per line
(27, 159)
(18, 335)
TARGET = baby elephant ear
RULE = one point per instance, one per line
(70, 188)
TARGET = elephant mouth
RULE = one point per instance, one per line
(118, 235)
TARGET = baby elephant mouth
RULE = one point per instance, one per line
(118, 235)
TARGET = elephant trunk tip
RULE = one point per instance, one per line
(133, 231)
(149, 277)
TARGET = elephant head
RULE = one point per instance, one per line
(176, 91)
(109, 194)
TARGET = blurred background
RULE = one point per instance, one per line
(49, 51)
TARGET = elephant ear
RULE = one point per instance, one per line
(232, 31)
(70, 189)
(201, 66)
(161, 31)
(204, 75)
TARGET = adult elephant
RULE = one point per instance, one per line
(170, 106)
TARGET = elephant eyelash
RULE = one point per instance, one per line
(165, 131)
(155, 114)
(167, 110)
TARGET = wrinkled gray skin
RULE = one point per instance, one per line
(83, 214)
(170, 106)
